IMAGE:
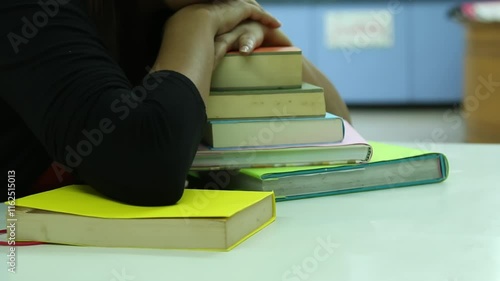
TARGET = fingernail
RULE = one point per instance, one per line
(245, 49)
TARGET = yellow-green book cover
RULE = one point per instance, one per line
(391, 166)
(201, 220)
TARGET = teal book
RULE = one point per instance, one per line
(391, 166)
(277, 131)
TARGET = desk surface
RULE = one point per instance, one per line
(448, 231)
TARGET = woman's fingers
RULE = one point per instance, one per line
(246, 44)
(221, 47)
(245, 37)
(262, 16)
(232, 13)
(226, 42)
(252, 38)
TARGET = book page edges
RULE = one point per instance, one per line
(271, 220)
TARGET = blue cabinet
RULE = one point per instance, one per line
(423, 66)
(436, 54)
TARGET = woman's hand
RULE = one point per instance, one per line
(188, 45)
(248, 36)
(227, 14)
(176, 5)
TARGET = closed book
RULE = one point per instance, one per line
(391, 166)
(352, 149)
(201, 220)
(238, 133)
(308, 100)
(266, 67)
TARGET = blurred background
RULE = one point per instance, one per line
(408, 70)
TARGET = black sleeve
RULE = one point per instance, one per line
(134, 144)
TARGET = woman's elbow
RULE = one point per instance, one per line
(164, 193)
(137, 173)
(145, 188)
(145, 160)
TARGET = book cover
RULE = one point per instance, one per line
(199, 215)
(391, 166)
(238, 133)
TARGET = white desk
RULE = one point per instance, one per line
(448, 232)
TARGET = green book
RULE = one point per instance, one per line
(391, 166)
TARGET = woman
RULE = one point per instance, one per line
(79, 101)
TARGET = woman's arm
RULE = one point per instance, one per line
(133, 143)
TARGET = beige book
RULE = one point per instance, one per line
(267, 67)
(308, 100)
(277, 131)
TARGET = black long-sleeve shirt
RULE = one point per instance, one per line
(63, 98)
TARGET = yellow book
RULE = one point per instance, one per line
(201, 220)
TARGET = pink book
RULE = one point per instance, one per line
(353, 149)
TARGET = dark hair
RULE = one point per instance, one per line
(132, 40)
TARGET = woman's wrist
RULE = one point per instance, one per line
(196, 16)
(188, 47)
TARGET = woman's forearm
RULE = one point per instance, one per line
(188, 48)
(334, 102)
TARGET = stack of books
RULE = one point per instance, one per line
(262, 114)
(273, 132)
(260, 101)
